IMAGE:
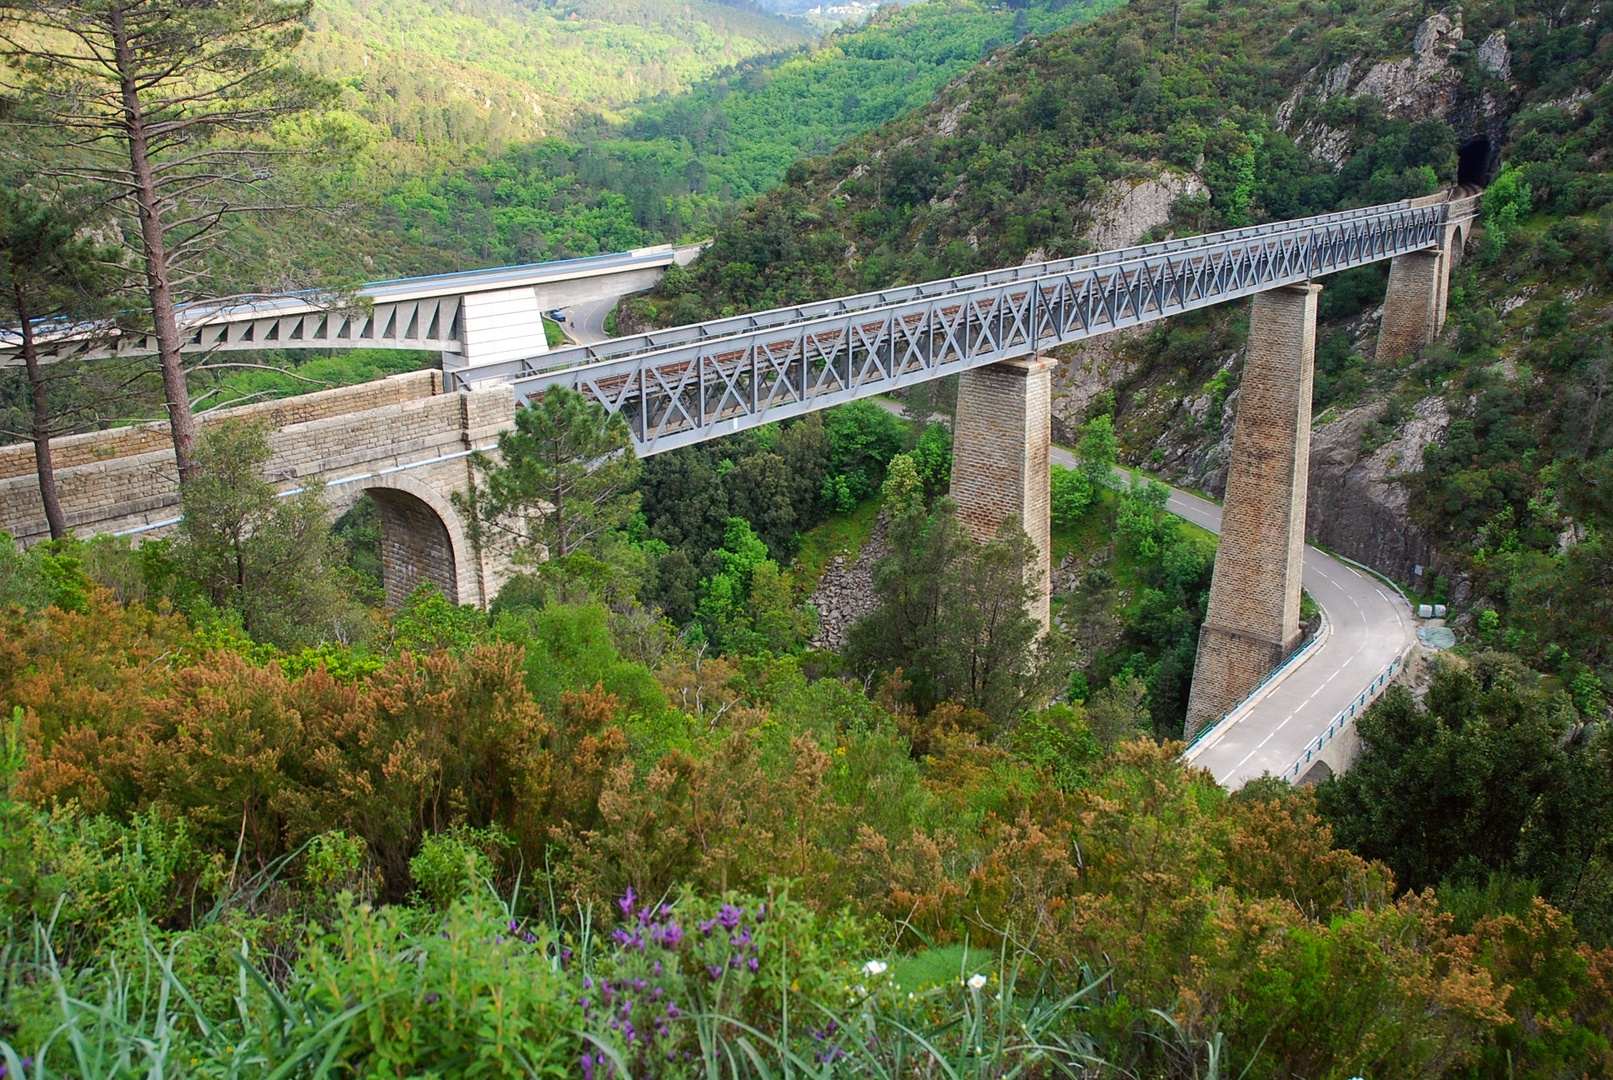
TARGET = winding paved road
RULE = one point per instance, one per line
(1368, 626)
(585, 323)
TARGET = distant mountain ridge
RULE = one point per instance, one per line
(458, 72)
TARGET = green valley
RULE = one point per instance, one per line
(671, 166)
(436, 76)
(405, 731)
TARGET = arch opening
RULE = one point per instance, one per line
(1473, 161)
(415, 546)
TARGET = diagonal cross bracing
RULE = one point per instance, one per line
(770, 366)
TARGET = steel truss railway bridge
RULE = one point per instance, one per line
(408, 440)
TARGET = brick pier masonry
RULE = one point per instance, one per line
(1001, 459)
(1419, 292)
(402, 440)
(1253, 619)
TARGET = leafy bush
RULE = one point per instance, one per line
(1071, 495)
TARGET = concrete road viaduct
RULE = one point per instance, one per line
(408, 440)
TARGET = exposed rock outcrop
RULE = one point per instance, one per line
(1425, 83)
(1085, 371)
(1357, 504)
(1495, 57)
(1129, 208)
(1120, 216)
(1422, 84)
(845, 593)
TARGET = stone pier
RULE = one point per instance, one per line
(1414, 307)
(1253, 619)
(1001, 455)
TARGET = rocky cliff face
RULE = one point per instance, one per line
(1357, 501)
(1182, 428)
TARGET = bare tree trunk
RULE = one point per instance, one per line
(41, 424)
(181, 423)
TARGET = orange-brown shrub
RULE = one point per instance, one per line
(120, 717)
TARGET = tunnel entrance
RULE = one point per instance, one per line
(1473, 161)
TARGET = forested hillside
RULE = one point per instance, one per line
(1492, 442)
(669, 167)
(1014, 159)
(496, 133)
(439, 76)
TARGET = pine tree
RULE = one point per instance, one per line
(170, 105)
(563, 478)
(48, 272)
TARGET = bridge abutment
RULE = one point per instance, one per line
(402, 440)
(1001, 455)
(1252, 623)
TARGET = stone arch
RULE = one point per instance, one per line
(422, 539)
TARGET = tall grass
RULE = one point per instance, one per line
(146, 1022)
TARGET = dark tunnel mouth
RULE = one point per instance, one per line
(1473, 161)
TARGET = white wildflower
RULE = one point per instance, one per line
(977, 982)
(875, 967)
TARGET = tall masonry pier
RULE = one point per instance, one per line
(1252, 623)
(1002, 459)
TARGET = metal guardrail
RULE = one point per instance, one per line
(1294, 659)
(1348, 716)
(686, 393)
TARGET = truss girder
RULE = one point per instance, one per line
(718, 381)
(616, 348)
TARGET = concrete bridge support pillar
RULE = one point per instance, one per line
(1001, 455)
(1414, 308)
(1253, 619)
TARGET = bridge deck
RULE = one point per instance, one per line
(689, 384)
